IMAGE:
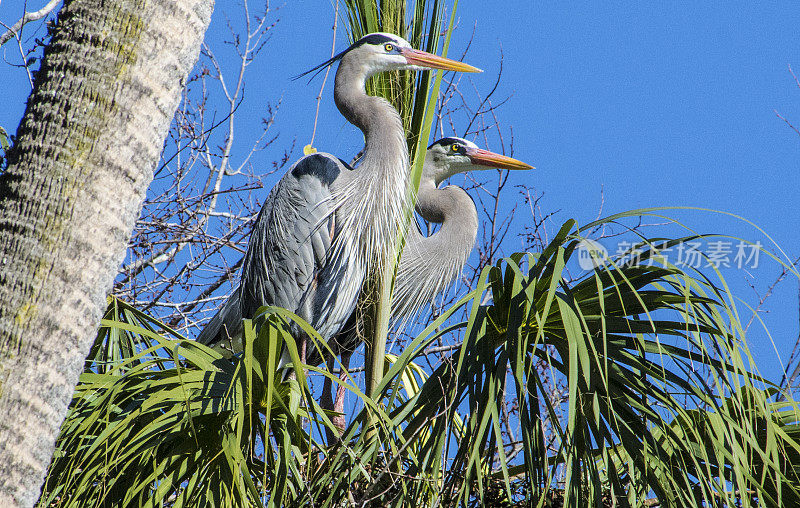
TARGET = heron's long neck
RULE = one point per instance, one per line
(430, 264)
(375, 116)
(377, 192)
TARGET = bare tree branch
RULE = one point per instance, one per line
(13, 31)
(199, 210)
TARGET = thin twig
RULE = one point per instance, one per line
(16, 28)
(327, 71)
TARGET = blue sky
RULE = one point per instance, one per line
(653, 106)
(666, 105)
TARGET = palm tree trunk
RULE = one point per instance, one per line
(92, 133)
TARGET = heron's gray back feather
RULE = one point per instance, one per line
(290, 260)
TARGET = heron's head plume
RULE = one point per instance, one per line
(380, 51)
(450, 156)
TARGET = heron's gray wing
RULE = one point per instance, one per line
(296, 258)
(224, 330)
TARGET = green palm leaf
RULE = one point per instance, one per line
(662, 399)
(662, 405)
(177, 423)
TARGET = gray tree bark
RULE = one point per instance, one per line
(92, 133)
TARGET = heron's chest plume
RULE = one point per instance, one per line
(373, 202)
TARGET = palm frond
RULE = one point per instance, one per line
(663, 404)
(662, 399)
(172, 421)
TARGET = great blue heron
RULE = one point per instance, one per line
(325, 226)
(430, 264)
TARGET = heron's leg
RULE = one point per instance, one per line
(338, 404)
(286, 359)
(326, 401)
(292, 374)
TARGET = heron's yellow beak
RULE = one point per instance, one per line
(431, 61)
(495, 160)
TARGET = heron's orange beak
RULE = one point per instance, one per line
(495, 160)
(431, 61)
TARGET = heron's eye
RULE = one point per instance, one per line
(455, 147)
(388, 47)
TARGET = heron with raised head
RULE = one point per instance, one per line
(429, 264)
(325, 226)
